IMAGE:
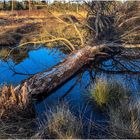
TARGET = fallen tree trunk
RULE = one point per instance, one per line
(50, 79)
(47, 81)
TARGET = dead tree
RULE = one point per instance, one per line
(110, 32)
(50, 79)
(12, 5)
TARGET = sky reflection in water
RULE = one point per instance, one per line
(44, 58)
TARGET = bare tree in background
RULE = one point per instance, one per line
(12, 5)
(4, 4)
(29, 5)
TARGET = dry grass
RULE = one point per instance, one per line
(11, 100)
(125, 120)
(11, 34)
(7, 40)
(17, 117)
(80, 15)
(120, 105)
(3, 53)
(60, 124)
(108, 92)
(61, 30)
(37, 26)
(17, 128)
(59, 121)
(42, 26)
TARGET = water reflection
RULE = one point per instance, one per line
(36, 61)
(72, 91)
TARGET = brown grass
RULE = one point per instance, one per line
(10, 99)
(17, 117)
(61, 123)
(17, 120)
(39, 25)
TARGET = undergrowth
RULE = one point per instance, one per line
(19, 121)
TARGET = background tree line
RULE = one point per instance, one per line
(60, 5)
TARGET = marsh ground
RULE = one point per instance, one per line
(20, 26)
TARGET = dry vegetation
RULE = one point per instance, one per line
(60, 122)
(16, 118)
(115, 22)
(120, 105)
(122, 110)
(21, 122)
(23, 27)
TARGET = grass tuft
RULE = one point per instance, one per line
(60, 124)
(106, 93)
